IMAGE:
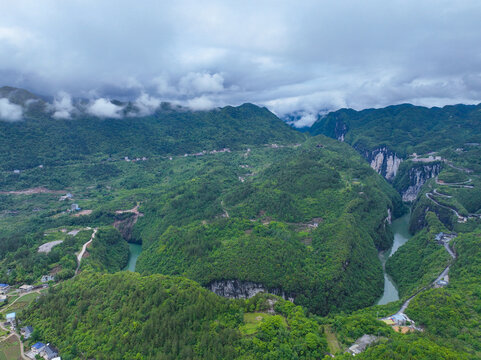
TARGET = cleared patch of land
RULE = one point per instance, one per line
(331, 340)
(21, 303)
(37, 190)
(10, 349)
(47, 247)
(253, 320)
(83, 212)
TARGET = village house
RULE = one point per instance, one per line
(47, 278)
(74, 207)
(4, 288)
(3, 299)
(26, 332)
(441, 283)
(66, 196)
(11, 318)
(37, 348)
(49, 352)
(26, 288)
(396, 319)
(442, 238)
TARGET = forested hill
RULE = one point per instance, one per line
(40, 139)
(403, 128)
(127, 316)
(307, 222)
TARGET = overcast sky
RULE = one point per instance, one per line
(301, 56)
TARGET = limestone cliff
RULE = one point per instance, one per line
(236, 289)
(340, 130)
(415, 178)
(384, 161)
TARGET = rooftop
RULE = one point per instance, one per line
(11, 316)
(50, 351)
(38, 345)
(27, 328)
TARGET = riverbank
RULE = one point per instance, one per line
(134, 252)
(400, 228)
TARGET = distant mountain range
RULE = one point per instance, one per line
(41, 139)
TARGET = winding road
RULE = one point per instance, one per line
(462, 184)
(84, 248)
(458, 184)
(429, 196)
(405, 305)
(226, 213)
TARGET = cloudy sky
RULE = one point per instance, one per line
(304, 56)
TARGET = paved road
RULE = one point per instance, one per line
(458, 184)
(429, 196)
(436, 192)
(450, 164)
(449, 250)
(21, 296)
(405, 305)
(84, 248)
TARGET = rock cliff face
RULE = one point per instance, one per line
(236, 289)
(417, 178)
(384, 161)
(389, 217)
(340, 130)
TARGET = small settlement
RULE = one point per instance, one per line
(47, 352)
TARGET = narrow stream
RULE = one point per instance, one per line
(400, 228)
(134, 252)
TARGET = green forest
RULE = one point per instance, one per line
(128, 316)
(301, 215)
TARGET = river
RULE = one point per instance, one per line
(400, 228)
(134, 252)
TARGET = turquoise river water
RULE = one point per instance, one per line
(135, 250)
(400, 228)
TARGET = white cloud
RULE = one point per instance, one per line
(9, 111)
(15, 36)
(200, 103)
(291, 56)
(146, 104)
(306, 119)
(63, 106)
(163, 86)
(104, 108)
(201, 83)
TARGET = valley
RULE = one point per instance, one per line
(400, 228)
(311, 241)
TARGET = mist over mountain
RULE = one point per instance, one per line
(289, 57)
(275, 180)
